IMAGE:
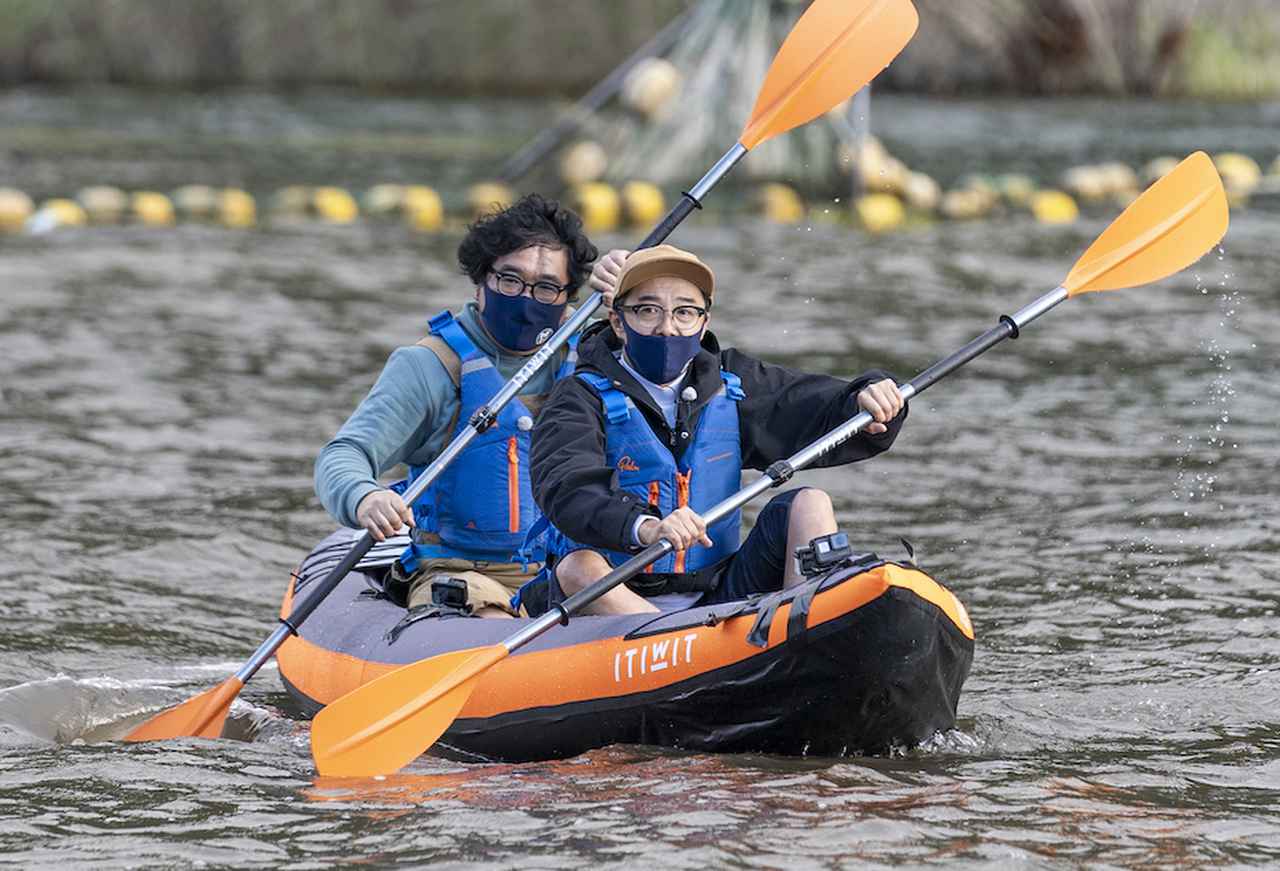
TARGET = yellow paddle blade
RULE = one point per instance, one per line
(835, 48)
(199, 717)
(387, 723)
(1172, 225)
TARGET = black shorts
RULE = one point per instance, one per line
(759, 564)
(757, 567)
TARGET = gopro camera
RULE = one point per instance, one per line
(450, 592)
(823, 553)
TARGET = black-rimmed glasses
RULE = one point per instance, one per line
(510, 284)
(649, 315)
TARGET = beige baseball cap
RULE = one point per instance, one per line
(665, 260)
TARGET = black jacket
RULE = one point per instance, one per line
(783, 411)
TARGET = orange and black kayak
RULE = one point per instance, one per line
(867, 657)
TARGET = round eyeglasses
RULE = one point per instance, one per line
(545, 292)
(649, 316)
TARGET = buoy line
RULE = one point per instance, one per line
(893, 196)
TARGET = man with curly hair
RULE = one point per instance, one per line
(526, 262)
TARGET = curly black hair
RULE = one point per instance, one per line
(532, 220)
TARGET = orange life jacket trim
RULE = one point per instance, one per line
(655, 491)
(513, 486)
(682, 501)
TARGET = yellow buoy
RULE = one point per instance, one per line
(1154, 170)
(879, 213)
(779, 203)
(383, 199)
(642, 203)
(965, 204)
(293, 200)
(1240, 172)
(1118, 179)
(922, 193)
(866, 159)
(983, 194)
(599, 205)
(1016, 188)
(57, 213)
(334, 205)
(152, 209)
(15, 208)
(103, 204)
(1054, 207)
(650, 86)
(423, 208)
(196, 201)
(887, 175)
(236, 208)
(1085, 182)
(489, 196)
(582, 162)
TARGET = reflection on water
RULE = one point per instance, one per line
(1100, 493)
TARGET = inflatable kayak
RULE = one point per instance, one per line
(867, 657)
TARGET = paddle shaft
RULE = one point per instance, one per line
(484, 418)
(780, 472)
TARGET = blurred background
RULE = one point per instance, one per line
(238, 111)
(218, 218)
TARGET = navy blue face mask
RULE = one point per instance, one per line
(519, 323)
(660, 358)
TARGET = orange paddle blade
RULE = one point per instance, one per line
(199, 717)
(387, 723)
(835, 48)
(1172, 225)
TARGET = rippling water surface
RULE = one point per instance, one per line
(1100, 493)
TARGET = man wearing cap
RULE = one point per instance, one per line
(656, 427)
(526, 262)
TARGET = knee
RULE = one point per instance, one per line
(811, 502)
(579, 570)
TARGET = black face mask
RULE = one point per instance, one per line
(660, 359)
(519, 323)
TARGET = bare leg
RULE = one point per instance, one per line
(582, 568)
(811, 516)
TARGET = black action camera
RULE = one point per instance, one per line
(823, 553)
(450, 592)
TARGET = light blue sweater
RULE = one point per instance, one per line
(404, 419)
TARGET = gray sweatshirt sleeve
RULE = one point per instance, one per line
(404, 418)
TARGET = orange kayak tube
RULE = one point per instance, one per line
(869, 657)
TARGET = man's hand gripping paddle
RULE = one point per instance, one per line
(384, 724)
(836, 47)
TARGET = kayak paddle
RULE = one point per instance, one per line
(383, 725)
(835, 48)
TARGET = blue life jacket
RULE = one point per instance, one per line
(709, 471)
(481, 506)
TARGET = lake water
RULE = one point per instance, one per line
(1100, 493)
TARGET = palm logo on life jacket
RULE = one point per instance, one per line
(482, 505)
(626, 464)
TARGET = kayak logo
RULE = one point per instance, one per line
(626, 464)
(653, 657)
